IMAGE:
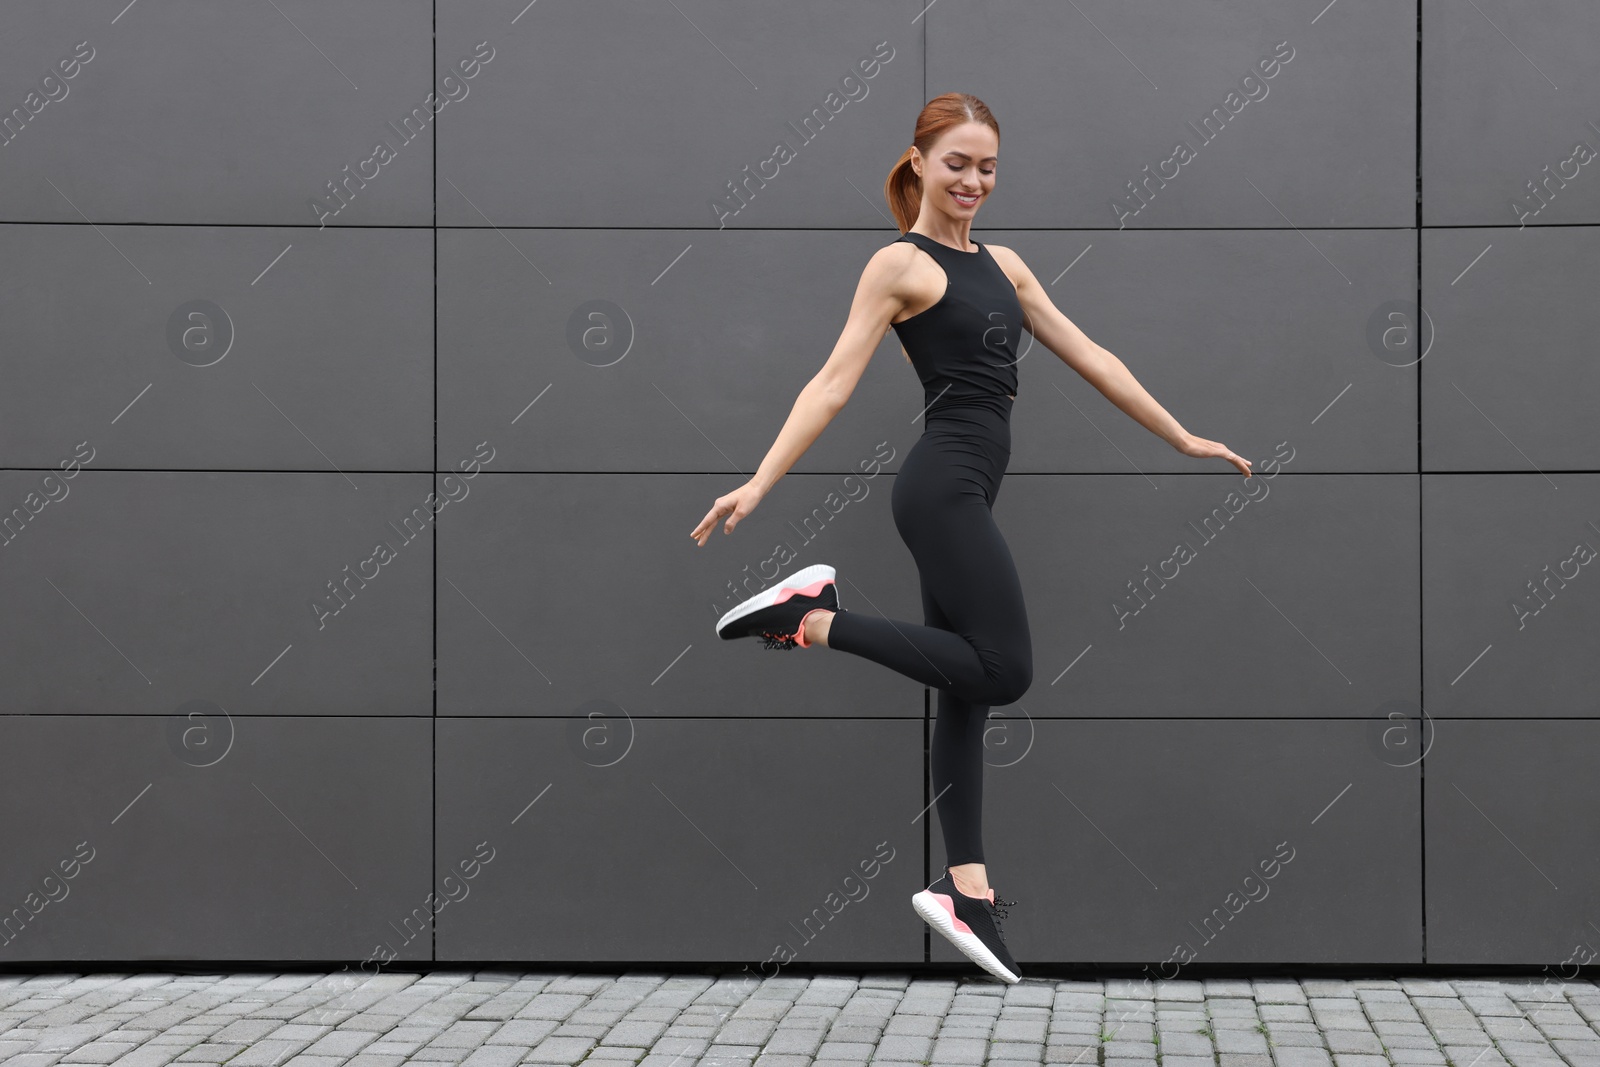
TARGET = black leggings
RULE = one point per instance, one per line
(974, 645)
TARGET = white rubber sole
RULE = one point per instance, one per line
(971, 945)
(798, 580)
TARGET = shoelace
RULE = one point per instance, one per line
(998, 911)
(784, 641)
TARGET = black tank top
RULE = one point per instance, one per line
(964, 347)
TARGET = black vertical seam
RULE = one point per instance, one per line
(1422, 724)
(433, 858)
(927, 693)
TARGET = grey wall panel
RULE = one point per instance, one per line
(1298, 599)
(1511, 617)
(1098, 97)
(203, 113)
(654, 362)
(558, 591)
(1511, 813)
(706, 113)
(748, 825)
(1245, 337)
(1514, 373)
(1505, 105)
(1223, 841)
(218, 347)
(220, 837)
(137, 591)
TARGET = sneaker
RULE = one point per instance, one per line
(778, 614)
(971, 924)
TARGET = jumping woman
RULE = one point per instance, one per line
(959, 312)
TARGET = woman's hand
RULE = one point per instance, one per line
(1200, 448)
(735, 505)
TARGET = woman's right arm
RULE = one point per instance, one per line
(878, 299)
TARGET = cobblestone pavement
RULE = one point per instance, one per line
(503, 1018)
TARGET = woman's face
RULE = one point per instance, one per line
(958, 171)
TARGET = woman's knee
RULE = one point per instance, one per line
(1014, 682)
(1006, 680)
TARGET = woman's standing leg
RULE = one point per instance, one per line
(956, 764)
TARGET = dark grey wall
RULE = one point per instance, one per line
(547, 303)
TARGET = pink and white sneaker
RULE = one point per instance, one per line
(971, 924)
(778, 614)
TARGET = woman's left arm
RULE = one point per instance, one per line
(1100, 368)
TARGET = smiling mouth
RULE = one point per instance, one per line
(964, 201)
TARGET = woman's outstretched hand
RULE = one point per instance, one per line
(735, 505)
(1200, 448)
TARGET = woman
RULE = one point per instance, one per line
(958, 312)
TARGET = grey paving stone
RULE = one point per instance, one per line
(853, 1031)
(1354, 1042)
(1129, 1030)
(1017, 1051)
(265, 1053)
(1245, 1042)
(94, 1052)
(1425, 987)
(1119, 1049)
(1490, 1005)
(1240, 1008)
(567, 1050)
(913, 1025)
(342, 1043)
(1179, 1044)
(1244, 1059)
(969, 1033)
(846, 1050)
(551, 1006)
(903, 1047)
(1301, 1056)
(1327, 987)
(205, 1053)
(1226, 988)
(616, 1054)
(1296, 1038)
(1475, 1038)
(496, 1056)
(639, 1034)
(1341, 1020)
(298, 1032)
(759, 1007)
(35, 1059)
(1357, 1059)
(1392, 1009)
(746, 1031)
(1031, 1030)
